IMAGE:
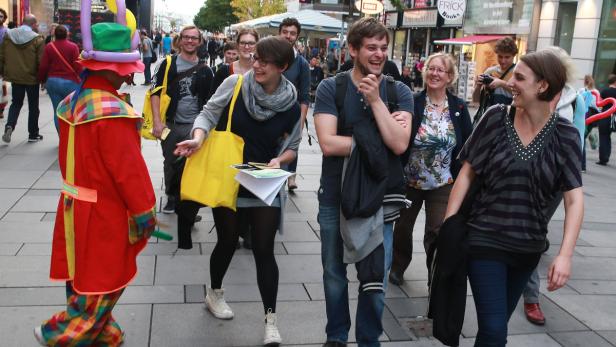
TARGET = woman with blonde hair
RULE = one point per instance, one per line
(441, 125)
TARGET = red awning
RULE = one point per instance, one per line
(469, 40)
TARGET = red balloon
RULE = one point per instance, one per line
(601, 103)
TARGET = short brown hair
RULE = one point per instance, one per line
(611, 78)
(60, 32)
(547, 66)
(506, 45)
(246, 31)
(276, 50)
(366, 27)
(191, 27)
(450, 63)
(290, 21)
(229, 46)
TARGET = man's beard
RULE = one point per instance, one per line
(365, 71)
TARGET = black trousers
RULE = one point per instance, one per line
(173, 166)
(605, 139)
(19, 92)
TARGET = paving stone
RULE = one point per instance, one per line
(595, 311)
(35, 249)
(18, 179)
(49, 217)
(593, 287)
(609, 336)
(316, 291)
(25, 232)
(250, 292)
(37, 296)
(17, 331)
(580, 339)
(38, 201)
(415, 289)
(191, 325)
(394, 331)
(10, 198)
(51, 179)
(599, 238)
(29, 162)
(10, 248)
(297, 232)
(135, 294)
(407, 307)
(603, 252)
(303, 247)
(169, 249)
(525, 340)
(558, 319)
(194, 269)
(194, 293)
(23, 217)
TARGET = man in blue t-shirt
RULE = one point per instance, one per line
(366, 95)
(299, 74)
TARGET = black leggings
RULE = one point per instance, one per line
(263, 223)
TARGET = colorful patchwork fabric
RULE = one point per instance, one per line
(87, 321)
(141, 225)
(94, 104)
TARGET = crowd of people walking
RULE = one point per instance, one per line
(392, 143)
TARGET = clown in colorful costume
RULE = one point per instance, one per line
(106, 210)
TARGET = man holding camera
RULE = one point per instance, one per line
(493, 81)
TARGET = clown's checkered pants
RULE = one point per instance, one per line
(87, 321)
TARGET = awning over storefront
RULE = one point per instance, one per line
(469, 40)
(311, 21)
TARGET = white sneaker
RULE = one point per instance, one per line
(38, 335)
(216, 304)
(272, 336)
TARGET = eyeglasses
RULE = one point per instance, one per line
(437, 70)
(190, 38)
(262, 62)
(247, 43)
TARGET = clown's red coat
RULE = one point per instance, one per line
(107, 209)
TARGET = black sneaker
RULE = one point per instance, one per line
(7, 134)
(35, 138)
(169, 206)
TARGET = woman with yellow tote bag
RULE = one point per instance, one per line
(263, 113)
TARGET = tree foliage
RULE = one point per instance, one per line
(251, 9)
(214, 15)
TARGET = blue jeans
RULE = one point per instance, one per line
(19, 92)
(58, 89)
(496, 288)
(368, 325)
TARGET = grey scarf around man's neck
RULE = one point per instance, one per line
(263, 106)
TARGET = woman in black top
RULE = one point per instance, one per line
(247, 39)
(525, 156)
(265, 113)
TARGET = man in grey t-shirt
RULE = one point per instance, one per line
(188, 87)
(146, 56)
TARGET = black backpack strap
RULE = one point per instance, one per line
(341, 89)
(392, 94)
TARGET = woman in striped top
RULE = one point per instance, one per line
(526, 156)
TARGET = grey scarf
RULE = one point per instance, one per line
(263, 106)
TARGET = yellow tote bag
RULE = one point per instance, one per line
(148, 121)
(208, 177)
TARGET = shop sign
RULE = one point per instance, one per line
(391, 19)
(419, 18)
(421, 3)
(499, 12)
(369, 6)
(451, 9)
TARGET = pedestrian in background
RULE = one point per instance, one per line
(441, 126)
(591, 108)
(20, 56)
(52, 33)
(59, 70)
(146, 55)
(266, 110)
(316, 76)
(406, 77)
(525, 156)
(167, 44)
(605, 125)
(3, 87)
(247, 39)
(230, 53)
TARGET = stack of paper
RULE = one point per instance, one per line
(265, 184)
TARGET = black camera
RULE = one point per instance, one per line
(486, 79)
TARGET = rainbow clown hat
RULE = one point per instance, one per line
(110, 46)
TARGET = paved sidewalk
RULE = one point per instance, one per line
(164, 305)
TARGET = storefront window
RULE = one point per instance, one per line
(498, 16)
(399, 47)
(565, 25)
(417, 44)
(438, 34)
(605, 63)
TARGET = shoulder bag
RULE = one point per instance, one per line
(165, 100)
(208, 176)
